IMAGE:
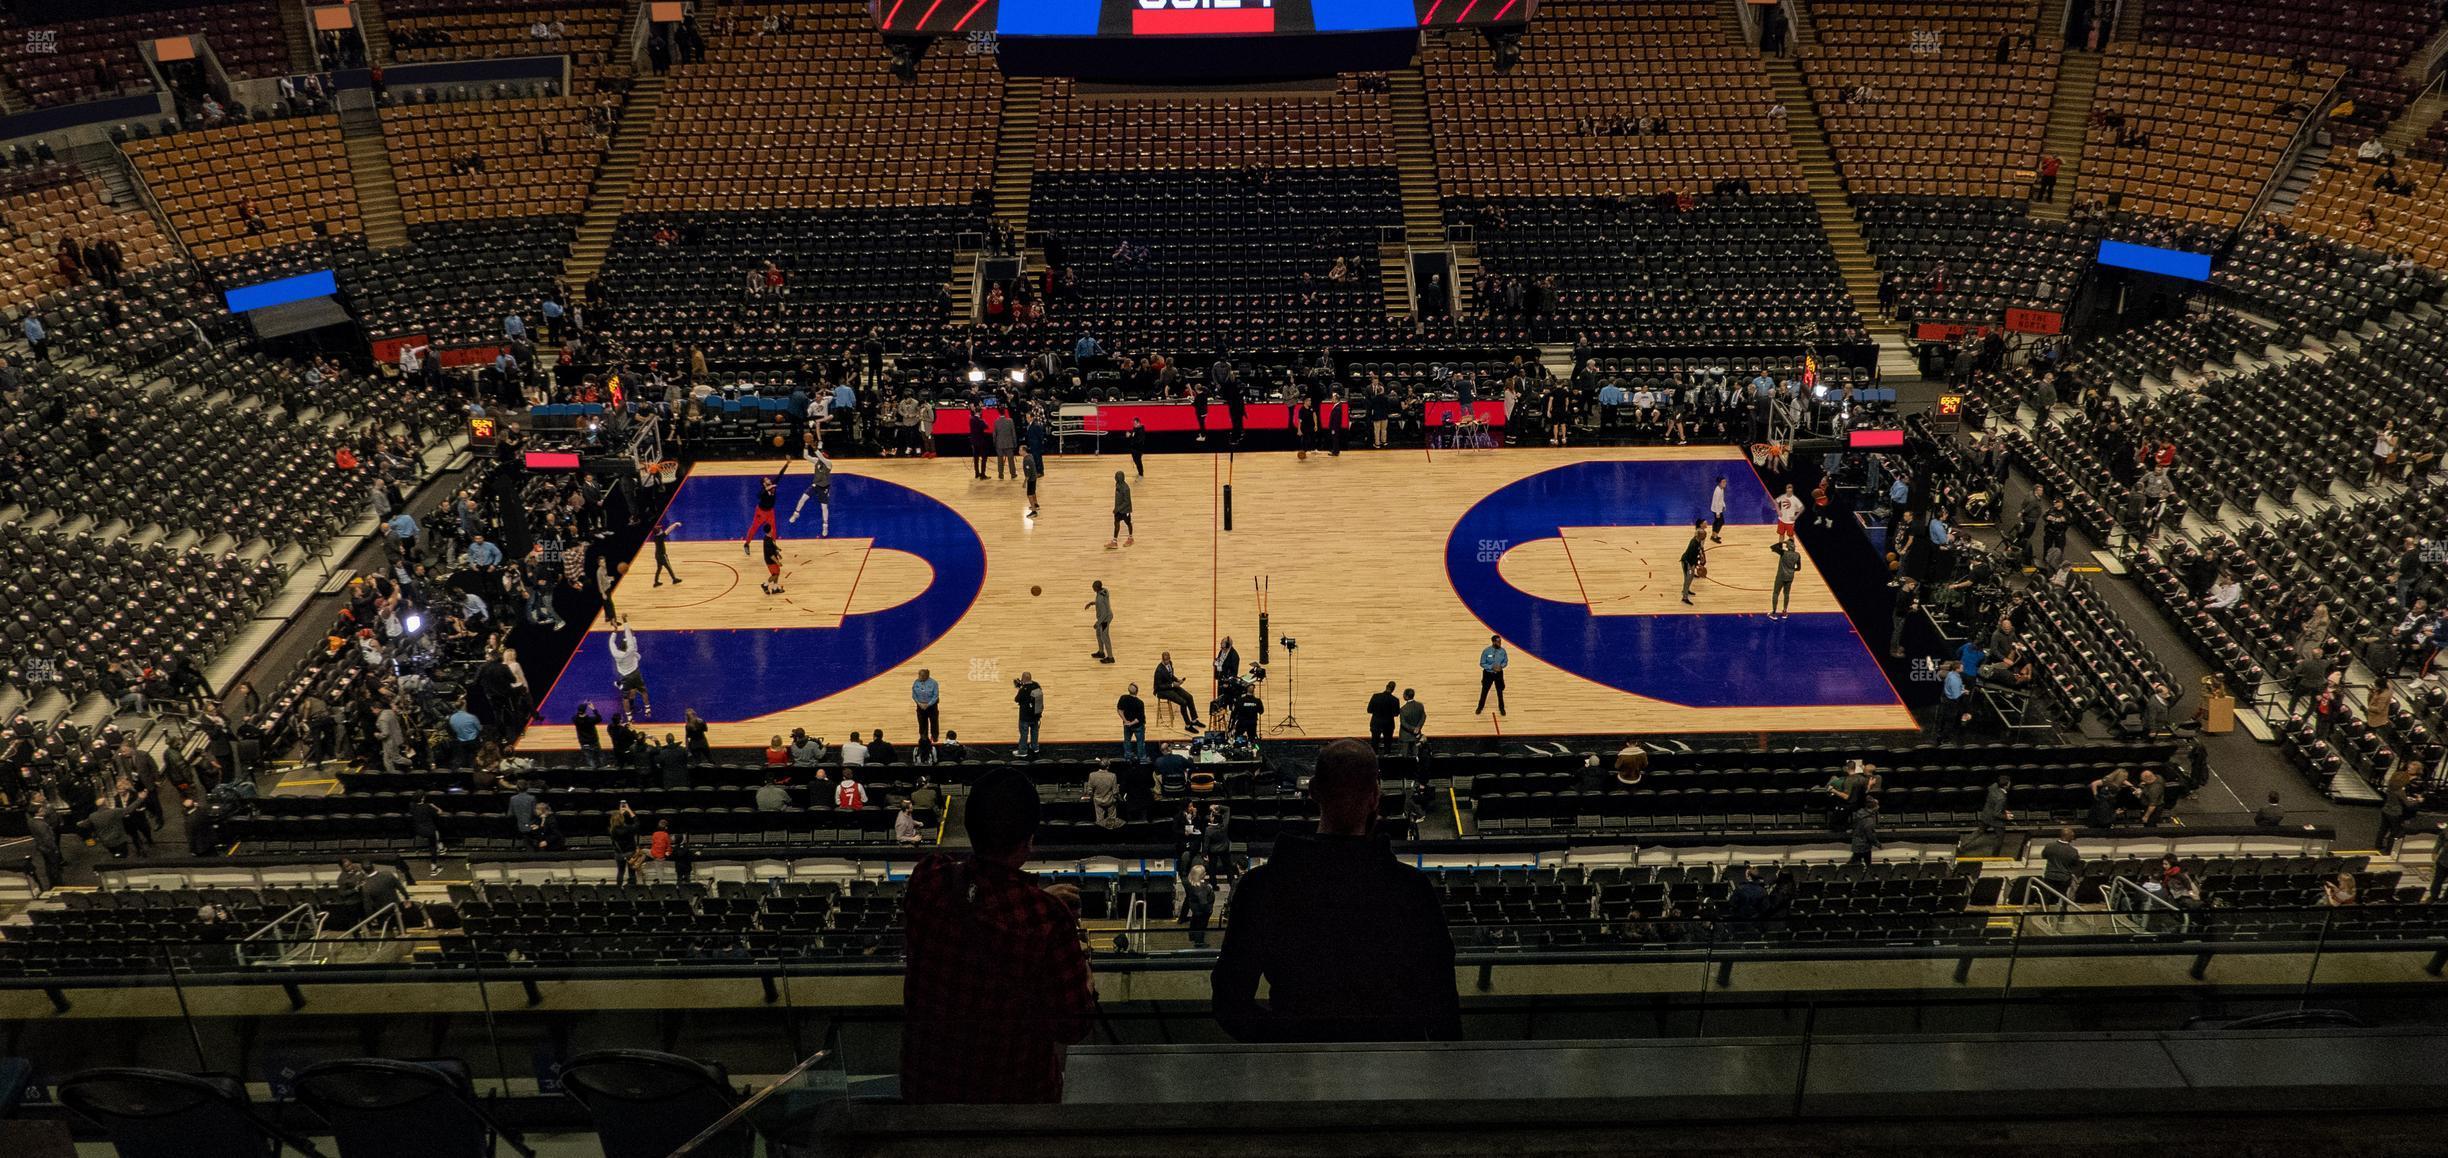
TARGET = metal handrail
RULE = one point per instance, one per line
(2293, 152)
(152, 204)
(383, 927)
(2127, 899)
(293, 938)
(387, 915)
(739, 1113)
(1699, 945)
(2060, 905)
(2438, 83)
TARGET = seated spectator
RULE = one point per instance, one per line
(2270, 814)
(2226, 592)
(2176, 883)
(1631, 764)
(806, 751)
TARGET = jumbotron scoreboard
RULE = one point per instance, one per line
(1188, 17)
(1194, 40)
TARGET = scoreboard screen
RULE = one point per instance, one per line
(1145, 18)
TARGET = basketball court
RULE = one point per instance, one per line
(1381, 565)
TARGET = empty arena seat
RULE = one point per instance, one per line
(246, 187)
(2212, 126)
(1919, 100)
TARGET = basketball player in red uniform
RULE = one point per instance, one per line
(764, 521)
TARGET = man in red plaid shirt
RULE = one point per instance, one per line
(997, 979)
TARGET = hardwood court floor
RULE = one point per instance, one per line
(1383, 565)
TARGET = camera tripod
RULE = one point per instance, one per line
(1291, 720)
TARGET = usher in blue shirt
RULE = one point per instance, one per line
(1492, 658)
(923, 692)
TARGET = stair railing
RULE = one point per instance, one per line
(152, 204)
(2139, 911)
(2304, 132)
(2431, 59)
(1745, 15)
(288, 939)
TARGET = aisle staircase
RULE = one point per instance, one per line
(301, 40)
(1423, 212)
(102, 161)
(369, 162)
(2069, 113)
(2129, 22)
(1466, 277)
(611, 190)
(377, 35)
(12, 99)
(1729, 18)
(2292, 184)
(2416, 121)
(1015, 167)
(1827, 189)
(1016, 152)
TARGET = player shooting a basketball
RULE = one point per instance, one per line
(764, 522)
(627, 679)
(819, 488)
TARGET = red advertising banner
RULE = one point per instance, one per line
(386, 350)
(1945, 331)
(2022, 321)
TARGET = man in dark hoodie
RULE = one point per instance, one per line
(1352, 942)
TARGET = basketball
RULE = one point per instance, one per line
(777, 442)
(1036, 590)
(622, 569)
